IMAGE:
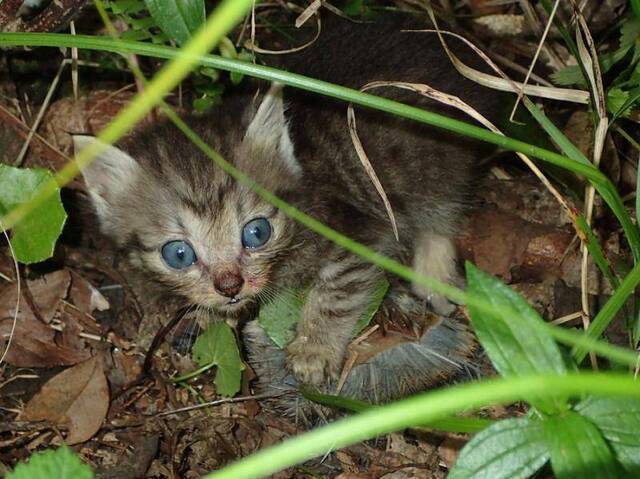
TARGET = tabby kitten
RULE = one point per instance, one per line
(213, 242)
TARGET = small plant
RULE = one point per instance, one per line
(34, 239)
(164, 22)
(594, 437)
(623, 94)
(59, 464)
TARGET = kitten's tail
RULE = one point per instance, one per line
(444, 353)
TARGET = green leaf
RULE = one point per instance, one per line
(630, 32)
(620, 102)
(227, 49)
(120, 7)
(217, 346)
(279, 316)
(178, 19)
(61, 464)
(618, 419)
(578, 449)
(520, 345)
(372, 309)
(572, 75)
(616, 100)
(510, 449)
(635, 6)
(34, 238)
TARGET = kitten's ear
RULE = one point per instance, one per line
(108, 177)
(268, 130)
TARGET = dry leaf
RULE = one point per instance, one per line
(33, 345)
(450, 449)
(85, 296)
(48, 293)
(88, 115)
(77, 398)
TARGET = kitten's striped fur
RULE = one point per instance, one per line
(157, 187)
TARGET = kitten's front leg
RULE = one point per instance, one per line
(340, 295)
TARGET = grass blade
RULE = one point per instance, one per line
(422, 409)
(609, 310)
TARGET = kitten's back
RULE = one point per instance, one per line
(428, 174)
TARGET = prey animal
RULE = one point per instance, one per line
(212, 241)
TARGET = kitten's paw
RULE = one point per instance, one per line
(313, 363)
(435, 257)
(440, 304)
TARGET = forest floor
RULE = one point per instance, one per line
(86, 324)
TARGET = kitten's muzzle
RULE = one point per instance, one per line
(228, 283)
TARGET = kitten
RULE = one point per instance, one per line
(215, 243)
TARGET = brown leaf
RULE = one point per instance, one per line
(77, 398)
(497, 241)
(33, 345)
(450, 449)
(48, 293)
(86, 115)
(84, 296)
(544, 254)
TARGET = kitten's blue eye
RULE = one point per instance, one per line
(178, 254)
(256, 233)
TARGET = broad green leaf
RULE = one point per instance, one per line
(578, 449)
(279, 316)
(635, 5)
(520, 345)
(34, 238)
(59, 464)
(178, 19)
(217, 346)
(618, 419)
(510, 449)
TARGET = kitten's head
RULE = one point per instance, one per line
(179, 217)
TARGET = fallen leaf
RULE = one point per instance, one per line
(86, 115)
(497, 242)
(33, 345)
(77, 398)
(85, 296)
(450, 449)
(47, 292)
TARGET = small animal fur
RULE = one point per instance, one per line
(213, 242)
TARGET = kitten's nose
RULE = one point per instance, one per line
(228, 283)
